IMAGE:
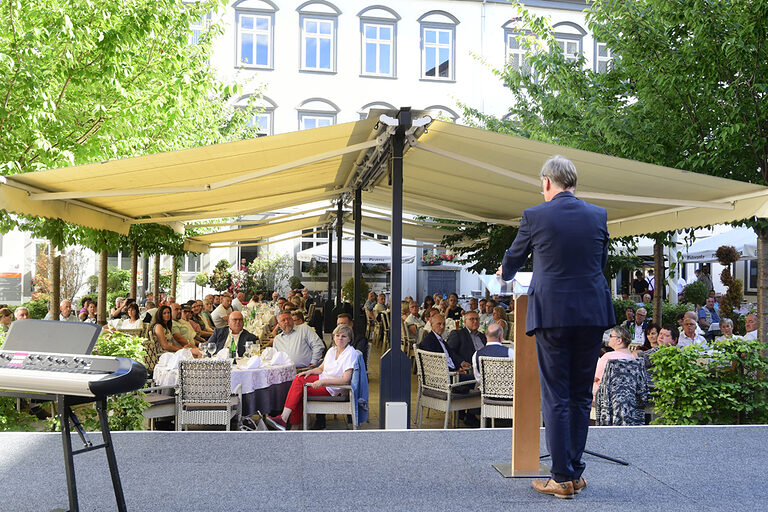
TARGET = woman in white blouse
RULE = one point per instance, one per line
(336, 369)
(133, 321)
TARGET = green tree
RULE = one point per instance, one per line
(83, 82)
(685, 88)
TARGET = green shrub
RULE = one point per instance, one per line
(294, 282)
(620, 308)
(726, 387)
(668, 311)
(37, 308)
(696, 293)
(348, 290)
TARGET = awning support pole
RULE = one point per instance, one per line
(395, 370)
(357, 207)
(339, 225)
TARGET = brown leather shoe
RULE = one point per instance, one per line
(557, 489)
(579, 485)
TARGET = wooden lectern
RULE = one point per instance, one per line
(526, 409)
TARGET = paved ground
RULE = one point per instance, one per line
(671, 468)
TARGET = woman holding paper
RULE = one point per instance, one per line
(336, 369)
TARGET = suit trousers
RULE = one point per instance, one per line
(567, 361)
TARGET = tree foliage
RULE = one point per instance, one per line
(84, 81)
(686, 88)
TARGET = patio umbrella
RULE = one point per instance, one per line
(370, 253)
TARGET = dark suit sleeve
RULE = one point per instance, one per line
(241, 342)
(456, 343)
(606, 240)
(218, 338)
(518, 252)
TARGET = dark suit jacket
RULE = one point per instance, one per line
(569, 242)
(460, 342)
(219, 337)
(431, 344)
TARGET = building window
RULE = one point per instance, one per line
(262, 122)
(318, 37)
(378, 49)
(569, 37)
(316, 113)
(254, 40)
(437, 53)
(307, 121)
(603, 57)
(119, 260)
(516, 54)
(192, 263)
(309, 240)
(198, 28)
(376, 105)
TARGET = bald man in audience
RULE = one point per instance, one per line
(65, 312)
(493, 348)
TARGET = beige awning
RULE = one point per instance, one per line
(265, 230)
(450, 171)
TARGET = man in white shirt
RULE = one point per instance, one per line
(220, 315)
(689, 336)
(303, 346)
(493, 348)
(750, 322)
(237, 302)
(65, 312)
(413, 321)
(637, 329)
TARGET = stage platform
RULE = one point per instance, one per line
(671, 469)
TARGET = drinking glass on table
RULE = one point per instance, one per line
(210, 348)
(248, 348)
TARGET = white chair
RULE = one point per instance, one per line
(436, 391)
(496, 388)
(341, 404)
(203, 396)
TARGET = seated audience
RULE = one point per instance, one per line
(708, 315)
(149, 314)
(303, 346)
(205, 315)
(413, 321)
(132, 321)
(453, 310)
(493, 348)
(726, 327)
(667, 338)
(689, 334)
(89, 316)
(181, 325)
(651, 336)
(65, 312)
(233, 332)
(619, 341)
(750, 322)
(500, 317)
(427, 306)
(238, 303)
(336, 369)
(380, 306)
(119, 310)
(630, 315)
(220, 315)
(6, 317)
(473, 305)
(637, 328)
(162, 328)
(467, 340)
(198, 321)
(361, 342)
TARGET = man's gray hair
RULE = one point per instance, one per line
(561, 171)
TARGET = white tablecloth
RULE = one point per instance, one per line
(250, 379)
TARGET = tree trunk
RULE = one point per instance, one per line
(134, 270)
(173, 276)
(156, 280)
(102, 313)
(658, 281)
(55, 279)
(762, 283)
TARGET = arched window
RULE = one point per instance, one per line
(443, 113)
(319, 24)
(570, 38)
(514, 52)
(603, 57)
(380, 105)
(378, 35)
(438, 46)
(317, 113)
(255, 22)
(264, 119)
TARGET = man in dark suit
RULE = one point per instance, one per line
(433, 342)
(223, 336)
(467, 340)
(569, 308)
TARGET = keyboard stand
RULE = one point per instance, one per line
(66, 414)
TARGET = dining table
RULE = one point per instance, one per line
(264, 389)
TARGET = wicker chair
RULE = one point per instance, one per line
(162, 403)
(203, 396)
(385, 324)
(153, 350)
(496, 388)
(436, 391)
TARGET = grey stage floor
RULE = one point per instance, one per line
(671, 468)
